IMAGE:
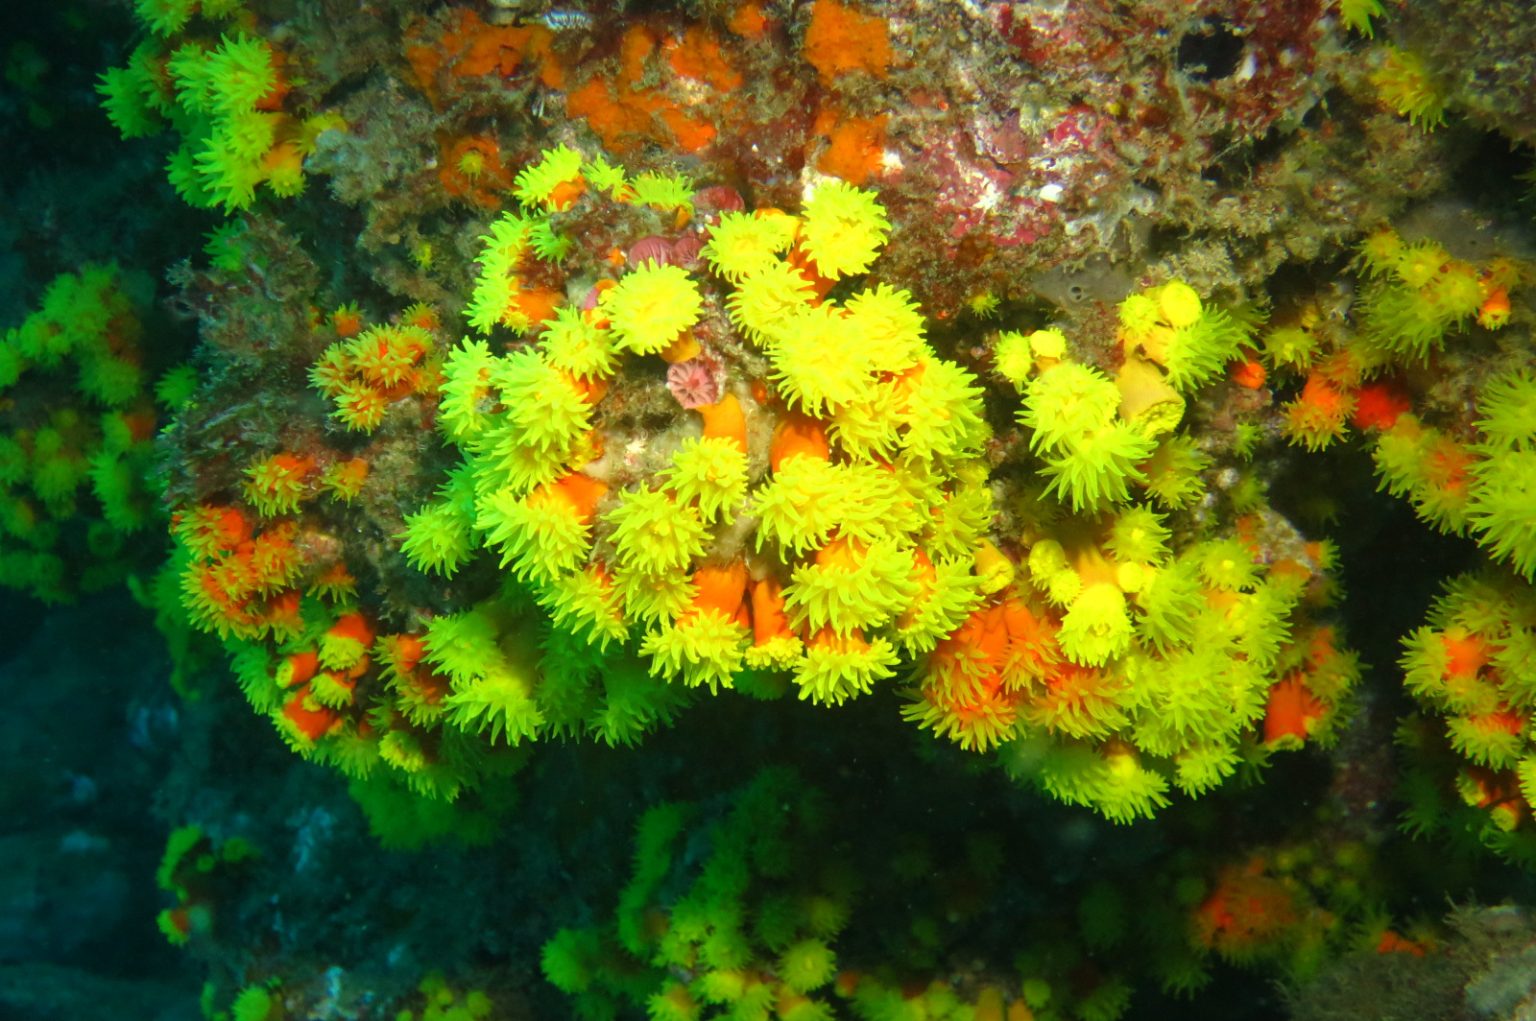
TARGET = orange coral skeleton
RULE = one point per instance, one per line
(309, 719)
(725, 420)
(720, 590)
(353, 627)
(298, 668)
(796, 435)
(578, 493)
(1292, 711)
(769, 621)
(1378, 405)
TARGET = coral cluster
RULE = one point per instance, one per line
(78, 418)
(192, 870)
(712, 464)
(1472, 664)
(223, 92)
(813, 517)
(745, 930)
(1135, 652)
(1483, 485)
(972, 379)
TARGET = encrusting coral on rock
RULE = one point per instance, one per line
(893, 442)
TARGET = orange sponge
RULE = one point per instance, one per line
(841, 39)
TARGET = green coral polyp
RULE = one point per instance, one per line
(653, 535)
(439, 538)
(78, 418)
(221, 100)
(542, 405)
(1097, 626)
(1067, 399)
(1503, 508)
(1138, 535)
(492, 684)
(540, 537)
(1507, 411)
(707, 649)
(709, 473)
(1228, 565)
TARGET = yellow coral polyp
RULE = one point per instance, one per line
(650, 307)
(492, 692)
(705, 649)
(123, 92)
(1455, 292)
(835, 669)
(709, 472)
(1097, 626)
(553, 182)
(504, 245)
(1095, 468)
(587, 604)
(276, 484)
(1140, 318)
(808, 498)
(653, 597)
(947, 592)
(819, 365)
(652, 534)
(666, 192)
(576, 345)
(1418, 263)
(1404, 83)
(742, 244)
(1178, 304)
(542, 403)
(1065, 401)
(1174, 328)
(546, 534)
(843, 228)
(1357, 14)
(938, 411)
(1128, 790)
(764, 303)
(888, 320)
(851, 586)
(491, 301)
(467, 395)
(385, 355)
(1013, 358)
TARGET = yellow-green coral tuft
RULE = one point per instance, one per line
(650, 307)
(843, 229)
